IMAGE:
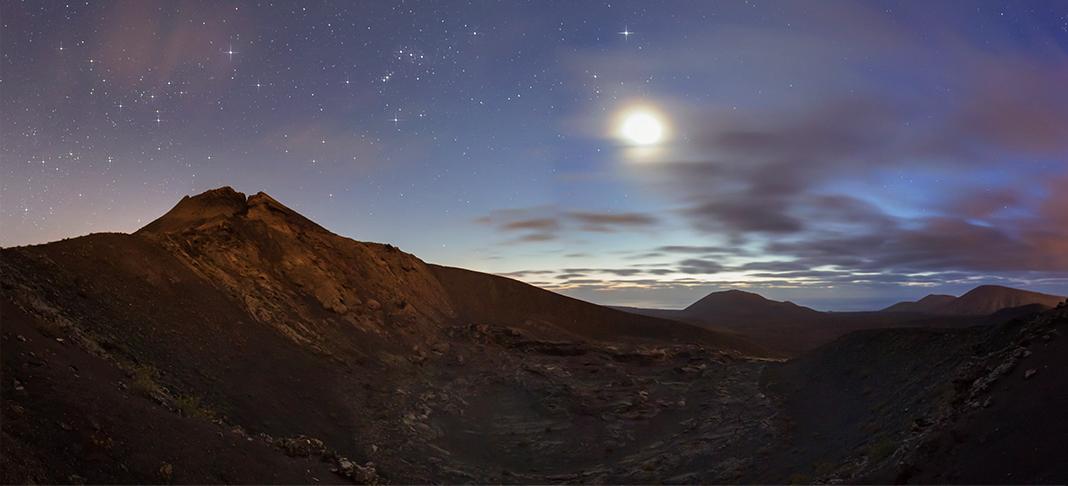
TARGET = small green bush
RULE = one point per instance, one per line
(189, 406)
(882, 449)
(144, 380)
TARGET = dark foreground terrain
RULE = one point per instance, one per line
(233, 340)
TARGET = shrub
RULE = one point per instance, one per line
(189, 406)
(882, 449)
(144, 380)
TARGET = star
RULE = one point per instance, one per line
(230, 51)
(626, 33)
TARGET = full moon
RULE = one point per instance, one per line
(641, 127)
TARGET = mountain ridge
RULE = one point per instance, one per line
(926, 304)
(793, 329)
(981, 300)
(215, 206)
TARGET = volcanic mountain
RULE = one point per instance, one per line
(240, 310)
(738, 306)
(980, 301)
(233, 340)
(784, 327)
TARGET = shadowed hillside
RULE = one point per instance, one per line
(967, 405)
(499, 300)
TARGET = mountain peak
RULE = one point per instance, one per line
(224, 196)
(996, 290)
(217, 206)
(986, 299)
(722, 298)
(220, 191)
(990, 288)
(194, 211)
(736, 302)
(736, 294)
(266, 209)
(262, 198)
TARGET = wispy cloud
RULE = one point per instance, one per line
(549, 223)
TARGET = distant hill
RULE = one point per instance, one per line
(737, 306)
(792, 329)
(925, 305)
(783, 327)
(980, 301)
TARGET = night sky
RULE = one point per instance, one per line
(841, 155)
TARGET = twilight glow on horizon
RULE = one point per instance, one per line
(843, 155)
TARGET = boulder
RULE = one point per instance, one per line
(300, 446)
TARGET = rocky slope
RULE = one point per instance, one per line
(974, 405)
(313, 286)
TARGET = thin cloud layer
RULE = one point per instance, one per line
(900, 154)
(549, 223)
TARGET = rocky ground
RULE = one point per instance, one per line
(505, 408)
(488, 404)
(976, 405)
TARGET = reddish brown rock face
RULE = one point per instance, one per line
(293, 274)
